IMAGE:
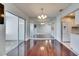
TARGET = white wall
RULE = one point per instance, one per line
(46, 28)
(2, 40)
(58, 28)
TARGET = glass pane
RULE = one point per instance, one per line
(21, 37)
(11, 34)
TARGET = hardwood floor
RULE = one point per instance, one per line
(42, 48)
(53, 48)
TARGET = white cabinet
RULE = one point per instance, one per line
(75, 42)
(77, 17)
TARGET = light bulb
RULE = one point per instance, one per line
(45, 16)
(39, 17)
(42, 16)
(72, 14)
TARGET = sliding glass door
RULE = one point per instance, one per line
(11, 34)
(21, 37)
(14, 35)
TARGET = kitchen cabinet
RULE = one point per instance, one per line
(77, 17)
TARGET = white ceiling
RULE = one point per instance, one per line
(33, 9)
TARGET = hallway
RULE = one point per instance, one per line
(43, 48)
(42, 29)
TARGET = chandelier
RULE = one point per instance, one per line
(42, 17)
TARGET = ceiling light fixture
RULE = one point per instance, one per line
(42, 16)
(42, 23)
(72, 14)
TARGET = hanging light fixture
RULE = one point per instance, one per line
(42, 23)
(42, 16)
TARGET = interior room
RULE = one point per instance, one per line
(41, 29)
